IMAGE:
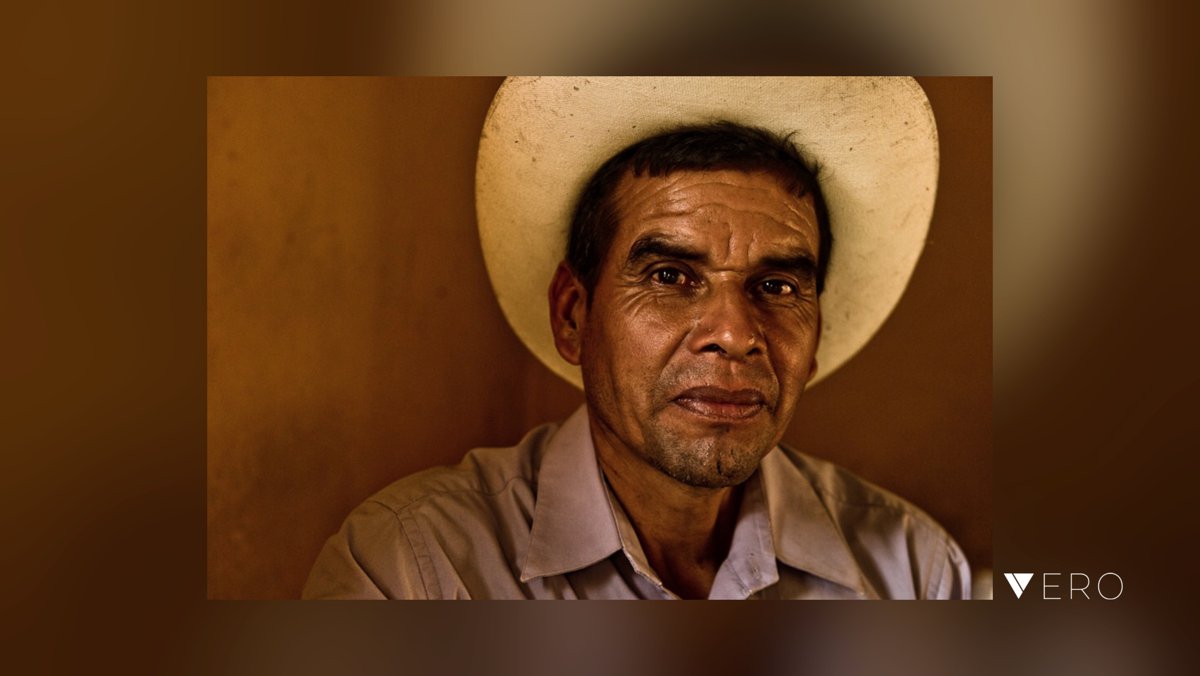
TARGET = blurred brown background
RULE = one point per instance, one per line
(353, 337)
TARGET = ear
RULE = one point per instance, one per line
(812, 368)
(568, 311)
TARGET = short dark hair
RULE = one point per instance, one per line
(709, 147)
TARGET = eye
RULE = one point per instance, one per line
(777, 287)
(669, 276)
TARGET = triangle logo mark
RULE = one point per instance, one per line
(1018, 582)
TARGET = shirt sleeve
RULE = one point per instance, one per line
(954, 581)
(370, 557)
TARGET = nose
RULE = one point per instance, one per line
(727, 324)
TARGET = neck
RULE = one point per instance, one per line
(685, 531)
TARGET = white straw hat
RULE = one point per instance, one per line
(873, 138)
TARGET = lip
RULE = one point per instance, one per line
(717, 403)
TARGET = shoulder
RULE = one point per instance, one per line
(840, 487)
(901, 550)
(403, 541)
(483, 473)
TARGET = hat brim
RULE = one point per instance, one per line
(873, 139)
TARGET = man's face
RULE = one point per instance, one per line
(703, 324)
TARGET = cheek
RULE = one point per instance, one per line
(794, 344)
(648, 330)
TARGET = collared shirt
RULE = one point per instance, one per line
(537, 520)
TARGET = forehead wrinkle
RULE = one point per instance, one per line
(685, 198)
(685, 207)
(696, 200)
(666, 198)
(700, 254)
(707, 220)
(636, 187)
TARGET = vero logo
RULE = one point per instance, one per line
(1077, 583)
(1018, 582)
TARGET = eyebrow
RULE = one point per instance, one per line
(800, 264)
(656, 246)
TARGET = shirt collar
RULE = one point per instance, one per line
(750, 565)
(573, 525)
(805, 534)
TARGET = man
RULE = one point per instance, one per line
(691, 299)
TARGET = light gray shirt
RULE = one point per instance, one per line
(537, 521)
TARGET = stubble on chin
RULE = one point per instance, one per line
(716, 461)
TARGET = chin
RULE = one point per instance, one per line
(708, 463)
(712, 477)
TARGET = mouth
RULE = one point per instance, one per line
(722, 405)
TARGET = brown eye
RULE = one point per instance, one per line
(669, 276)
(777, 287)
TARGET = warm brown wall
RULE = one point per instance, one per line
(353, 337)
